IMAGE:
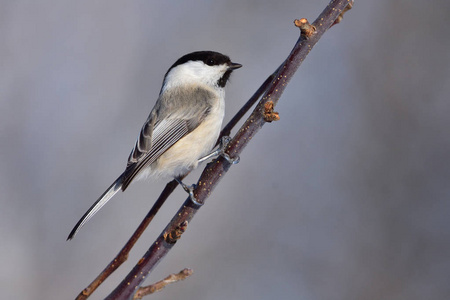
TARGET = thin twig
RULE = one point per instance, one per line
(157, 286)
(215, 170)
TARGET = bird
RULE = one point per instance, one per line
(181, 129)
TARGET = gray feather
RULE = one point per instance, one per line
(162, 130)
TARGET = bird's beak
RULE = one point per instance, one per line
(234, 66)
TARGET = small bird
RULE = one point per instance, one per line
(182, 127)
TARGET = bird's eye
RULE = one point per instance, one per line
(210, 62)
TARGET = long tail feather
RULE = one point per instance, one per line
(107, 195)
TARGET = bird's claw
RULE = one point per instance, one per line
(223, 146)
(190, 190)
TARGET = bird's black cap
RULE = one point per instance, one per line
(210, 58)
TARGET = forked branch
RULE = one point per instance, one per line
(214, 171)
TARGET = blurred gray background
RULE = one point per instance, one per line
(346, 197)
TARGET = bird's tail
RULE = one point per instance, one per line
(107, 195)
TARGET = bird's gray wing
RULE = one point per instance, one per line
(172, 118)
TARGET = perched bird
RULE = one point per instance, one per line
(182, 127)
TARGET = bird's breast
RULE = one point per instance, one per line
(183, 156)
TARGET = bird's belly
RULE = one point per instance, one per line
(183, 156)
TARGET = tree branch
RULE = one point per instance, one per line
(122, 256)
(214, 171)
(156, 287)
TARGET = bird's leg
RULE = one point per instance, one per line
(221, 152)
(190, 190)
